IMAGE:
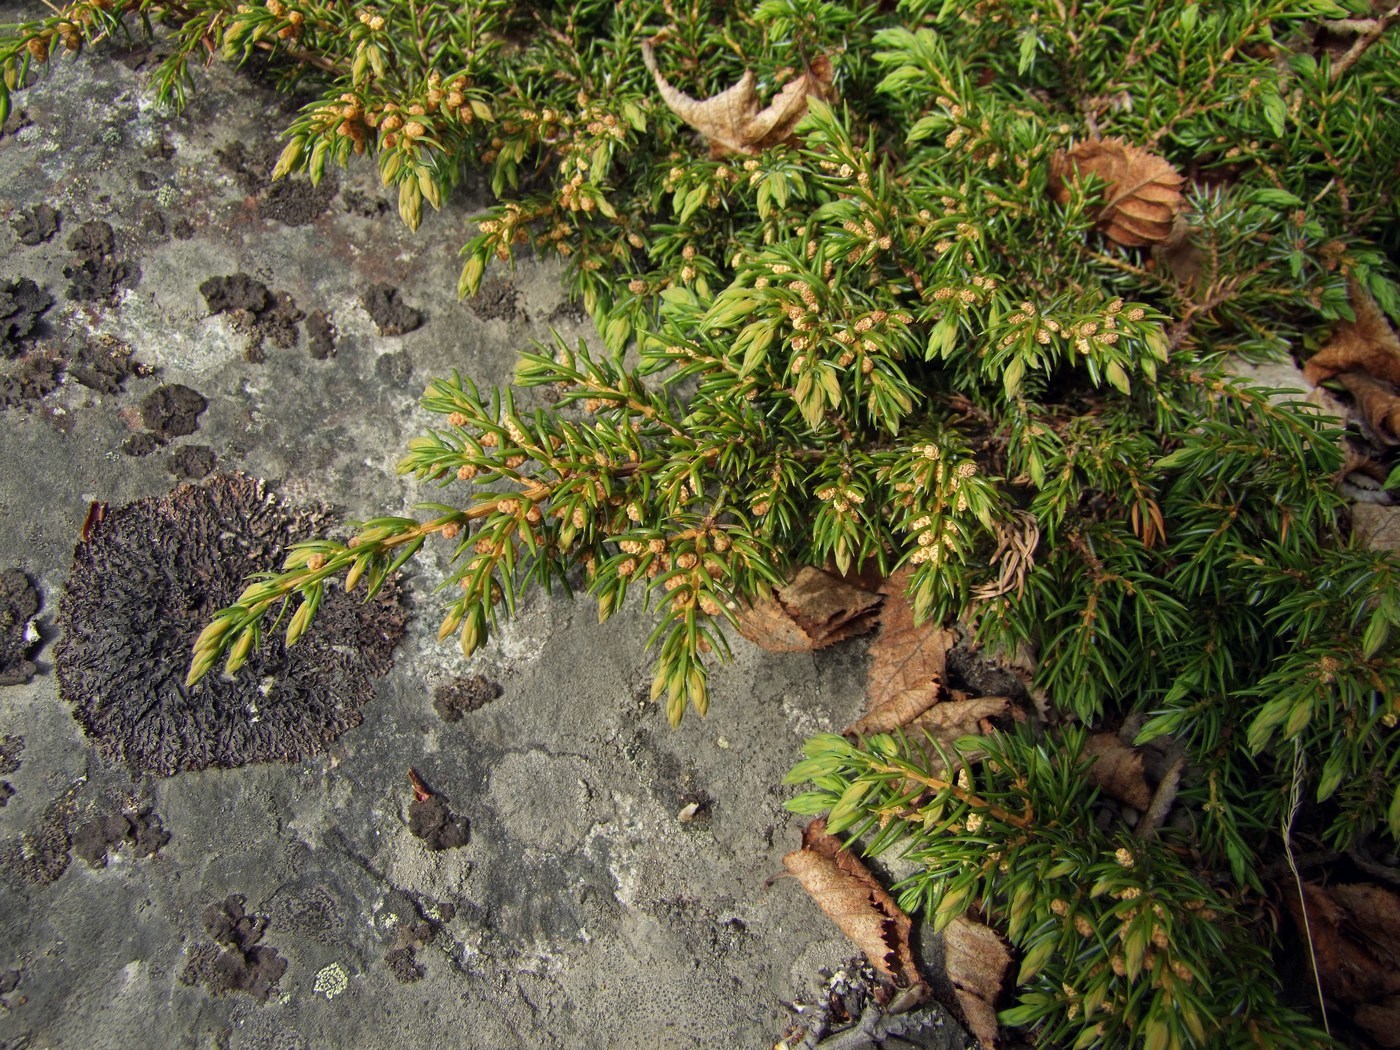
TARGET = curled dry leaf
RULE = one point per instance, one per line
(907, 663)
(861, 908)
(1118, 770)
(1367, 344)
(1364, 356)
(1143, 195)
(732, 121)
(953, 719)
(811, 611)
(976, 960)
(1356, 939)
(1376, 402)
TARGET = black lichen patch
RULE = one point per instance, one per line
(404, 965)
(151, 575)
(390, 314)
(234, 293)
(9, 981)
(11, 747)
(30, 378)
(95, 273)
(167, 412)
(40, 855)
(291, 201)
(498, 300)
(36, 225)
(172, 411)
(414, 933)
(140, 829)
(463, 695)
(264, 316)
(141, 444)
(19, 604)
(22, 304)
(438, 827)
(320, 335)
(357, 202)
(193, 462)
(104, 364)
(237, 962)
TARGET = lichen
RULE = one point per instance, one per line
(146, 581)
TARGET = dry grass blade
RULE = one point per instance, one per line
(1014, 557)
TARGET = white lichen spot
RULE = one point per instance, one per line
(331, 981)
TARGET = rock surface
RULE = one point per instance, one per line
(292, 904)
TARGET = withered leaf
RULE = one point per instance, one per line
(1367, 344)
(861, 908)
(1376, 402)
(952, 719)
(811, 611)
(1356, 941)
(1143, 195)
(1118, 769)
(732, 121)
(976, 960)
(907, 663)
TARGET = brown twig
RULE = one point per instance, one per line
(1162, 800)
(1376, 28)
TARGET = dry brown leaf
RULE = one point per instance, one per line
(732, 121)
(952, 719)
(1376, 402)
(976, 960)
(811, 611)
(1143, 195)
(1356, 940)
(1367, 344)
(1118, 769)
(907, 663)
(861, 908)
(1381, 1021)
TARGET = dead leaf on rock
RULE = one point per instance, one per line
(976, 960)
(1376, 402)
(1143, 195)
(811, 611)
(1367, 344)
(861, 908)
(732, 121)
(907, 663)
(1118, 769)
(954, 719)
(1356, 940)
